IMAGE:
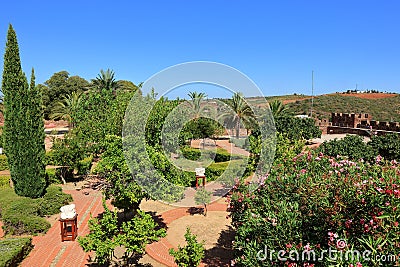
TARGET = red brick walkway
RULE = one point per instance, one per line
(50, 251)
(160, 250)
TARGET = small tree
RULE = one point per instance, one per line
(202, 197)
(108, 233)
(191, 254)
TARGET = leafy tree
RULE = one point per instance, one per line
(201, 128)
(297, 128)
(105, 81)
(59, 86)
(241, 113)
(23, 124)
(191, 254)
(121, 188)
(108, 233)
(202, 197)
(352, 146)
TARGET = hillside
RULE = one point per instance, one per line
(381, 108)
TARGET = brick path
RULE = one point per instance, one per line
(159, 250)
(50, 251)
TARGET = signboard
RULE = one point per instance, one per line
(200, 171)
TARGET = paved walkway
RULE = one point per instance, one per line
(160, 250)
(50, 251)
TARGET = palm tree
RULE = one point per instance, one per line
(277, 108)
(64, 108)
(241, 112)
(197, 98)
(105, 80)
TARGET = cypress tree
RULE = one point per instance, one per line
(23, 124)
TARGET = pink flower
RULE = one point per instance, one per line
(358, 264)
(307, 247)
(378, 159)
(303, 171)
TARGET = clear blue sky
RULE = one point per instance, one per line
(275, 43)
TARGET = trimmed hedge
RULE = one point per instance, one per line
(191, 153)
(3, 163)
(21, 215)
(53, 200)
(14, 250)
(221, 155)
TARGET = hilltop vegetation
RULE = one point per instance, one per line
(385, 107)
(382, 109)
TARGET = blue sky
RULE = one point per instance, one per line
(276, 43)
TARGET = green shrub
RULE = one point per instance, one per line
(22, 218)
(191, 153)
(3, 163)
(84, 165)
(14, 250)
(53, 200)
(52, 177)
(388, 146)
(5, 181)
(49, 158)
(21, 215)
(352, 146)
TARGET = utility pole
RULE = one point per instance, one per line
(312, 92)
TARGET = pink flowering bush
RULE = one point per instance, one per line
(317, 203)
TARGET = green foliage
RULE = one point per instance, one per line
(68, 152)
(311, 201)
(242, 113)
(352, 146)
(201, 128)
(52, 177)
(14, 250)
(3, 163)
(5, 181)
(53, 200)
(202, 197)
(189, 255)
(191, 153)
(100, 113)
(84, 165)
(23, 124)
(59, 86)
(21, 215)
(388, 146)
(107, 233)
(381, 109)
(122, 189)
(297, 128)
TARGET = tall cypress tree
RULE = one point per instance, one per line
(23, 124)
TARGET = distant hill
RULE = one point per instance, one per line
(382, 106)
